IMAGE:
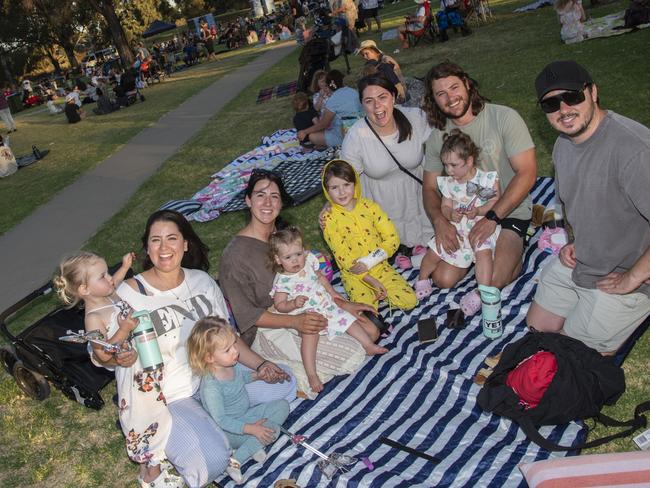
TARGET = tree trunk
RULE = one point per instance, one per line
(69, 53)
(54, 61)
(107, 10)
(9, 76)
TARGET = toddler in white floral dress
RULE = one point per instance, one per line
(468, 193)
(144, 417)
(299, 286)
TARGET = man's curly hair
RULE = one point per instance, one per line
(435, 115)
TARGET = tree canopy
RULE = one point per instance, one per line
(56, 31)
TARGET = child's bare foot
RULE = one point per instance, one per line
(315, 383)
(374, 349)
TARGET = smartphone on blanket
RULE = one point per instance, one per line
(427, 330)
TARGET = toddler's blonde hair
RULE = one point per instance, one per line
(206, 334)
(72, 273)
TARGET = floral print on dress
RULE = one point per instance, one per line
(143, 412)
(305, 282)
(150, 381)
(458, 194)
(137, 444)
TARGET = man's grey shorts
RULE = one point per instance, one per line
(600, 320)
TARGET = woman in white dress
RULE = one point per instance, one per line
(403, 132)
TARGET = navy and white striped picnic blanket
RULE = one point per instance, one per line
(422, 396)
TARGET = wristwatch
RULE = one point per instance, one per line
(492, 215)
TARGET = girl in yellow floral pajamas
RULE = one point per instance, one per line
(362, 238)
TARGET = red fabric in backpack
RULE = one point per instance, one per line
(531, 378)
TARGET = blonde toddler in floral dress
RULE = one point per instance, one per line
(143, 413)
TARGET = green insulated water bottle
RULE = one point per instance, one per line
(146, 342)
(491, 310)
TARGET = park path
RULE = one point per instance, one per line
(30, 251)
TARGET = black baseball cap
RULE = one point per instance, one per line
(562, 75)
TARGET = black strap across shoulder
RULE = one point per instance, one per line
(402, 168)
(141, 287)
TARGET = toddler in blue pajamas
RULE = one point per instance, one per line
(213, 353)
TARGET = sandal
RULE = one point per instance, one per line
(403, 262)
(492, 361)
(164, 480)
(470, 303)
(234, 471)
(377, 321)
(482, 376)
(423, 289)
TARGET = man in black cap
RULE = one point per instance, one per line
(598, 291)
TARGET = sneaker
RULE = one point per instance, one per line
(164, 480)
(234, 471)
(260, 456)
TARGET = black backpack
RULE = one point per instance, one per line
(584, 382)
(638, 13)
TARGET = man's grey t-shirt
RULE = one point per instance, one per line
(604, 184)
(500, 133)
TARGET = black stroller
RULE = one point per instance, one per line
(37, 357)
(314, 56)
(129, 88)
(318, 53)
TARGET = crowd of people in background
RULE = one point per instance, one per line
(111, 86)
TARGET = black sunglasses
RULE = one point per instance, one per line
(552, 104)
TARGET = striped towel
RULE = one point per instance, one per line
(279, 91)
(286, 89)
(265, 95)
(422, 396)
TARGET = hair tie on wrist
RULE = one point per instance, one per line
(261, 364)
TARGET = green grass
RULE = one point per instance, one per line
(74, 149)
(59, 442)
